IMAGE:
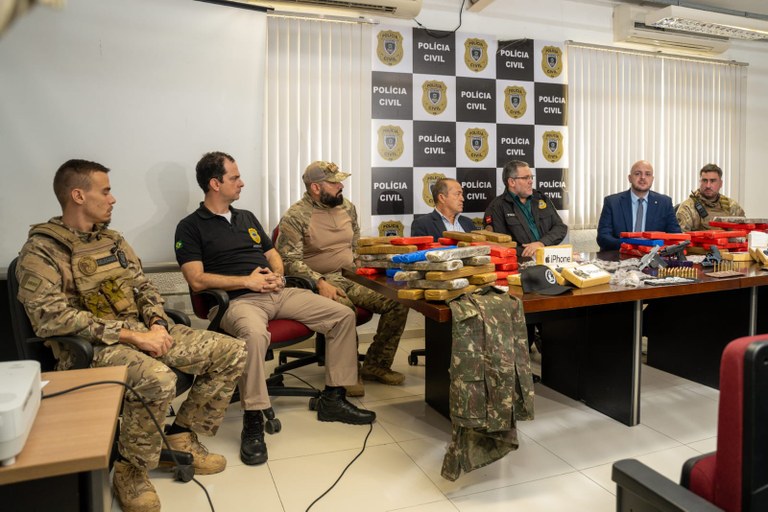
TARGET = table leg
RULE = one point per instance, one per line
(437, 343)
(592, 354)
(687, 334)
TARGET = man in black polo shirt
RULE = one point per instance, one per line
(218, 246)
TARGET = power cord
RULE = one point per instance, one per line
(365, 442)
(154, 420)
(441, 34)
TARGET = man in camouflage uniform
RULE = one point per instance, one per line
(318, 237)
(491, 380)
(703, 205)
(76, 277)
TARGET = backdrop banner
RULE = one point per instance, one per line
(460, 106)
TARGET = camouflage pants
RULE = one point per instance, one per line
(382, 351)
(217, 361)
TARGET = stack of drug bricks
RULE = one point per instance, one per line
(738, 236)
(639, 243)
(436, 271)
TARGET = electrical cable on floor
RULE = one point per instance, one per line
(154, 420)
(310, 386)
(365, 442)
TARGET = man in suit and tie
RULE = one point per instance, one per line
(637, 209)
(449, 203)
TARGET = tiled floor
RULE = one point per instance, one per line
(564, 460)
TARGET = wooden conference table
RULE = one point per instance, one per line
(592, 337)
(65, 462)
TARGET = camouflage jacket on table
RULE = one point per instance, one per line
(84, 284)
(690, 219)
(491, 381)
(294, 227)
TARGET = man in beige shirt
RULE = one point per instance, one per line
(318, 237)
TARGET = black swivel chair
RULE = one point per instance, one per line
(30, 346)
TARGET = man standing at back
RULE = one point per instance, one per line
(635, 210)
(76, 277)
(219, 246)
(318, 237)
(525, 214)
(449, 203)
(703, 205)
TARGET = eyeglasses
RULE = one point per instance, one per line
(526, 178)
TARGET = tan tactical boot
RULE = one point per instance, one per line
(383, 375)
(356, 389)
(133, 489)
(205, 463)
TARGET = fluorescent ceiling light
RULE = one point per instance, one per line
(706, 22)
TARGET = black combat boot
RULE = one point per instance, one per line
(253, 449)
(333, 406)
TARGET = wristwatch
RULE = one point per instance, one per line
(160, 321)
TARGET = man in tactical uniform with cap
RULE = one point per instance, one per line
(703, 205)
(76, 277)
(318, 237)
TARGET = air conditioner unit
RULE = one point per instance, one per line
(407, 9)
(629, 27)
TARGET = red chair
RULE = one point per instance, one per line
(734, 478)
(283, 333)
(303, 357)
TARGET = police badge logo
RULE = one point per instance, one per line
(542, 204)
(552, 146)
(433, 96)
(476, 144)
(253, 232)
(390, 47)
(391, 228)
(390, 145)
(87, 265)
(552, 61)
(475, 54)
(429, 181)
(514, 101)
(478, 222)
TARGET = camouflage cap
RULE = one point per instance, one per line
(323, 171)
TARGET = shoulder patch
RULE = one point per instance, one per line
(30, 282)
(542, 204)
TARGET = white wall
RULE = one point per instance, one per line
(590, 21)
(141, 86)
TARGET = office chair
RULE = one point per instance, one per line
(283, 333)
(303, 357)
(30, 346)
(733, 478)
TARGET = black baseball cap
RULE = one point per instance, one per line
(540, 279)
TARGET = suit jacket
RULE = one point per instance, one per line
(433, 225)
(616, 217)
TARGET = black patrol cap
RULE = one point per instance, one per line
(540, 279)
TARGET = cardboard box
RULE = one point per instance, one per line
(554, 255)
(585, 276)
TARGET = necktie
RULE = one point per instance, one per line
(639, 216)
